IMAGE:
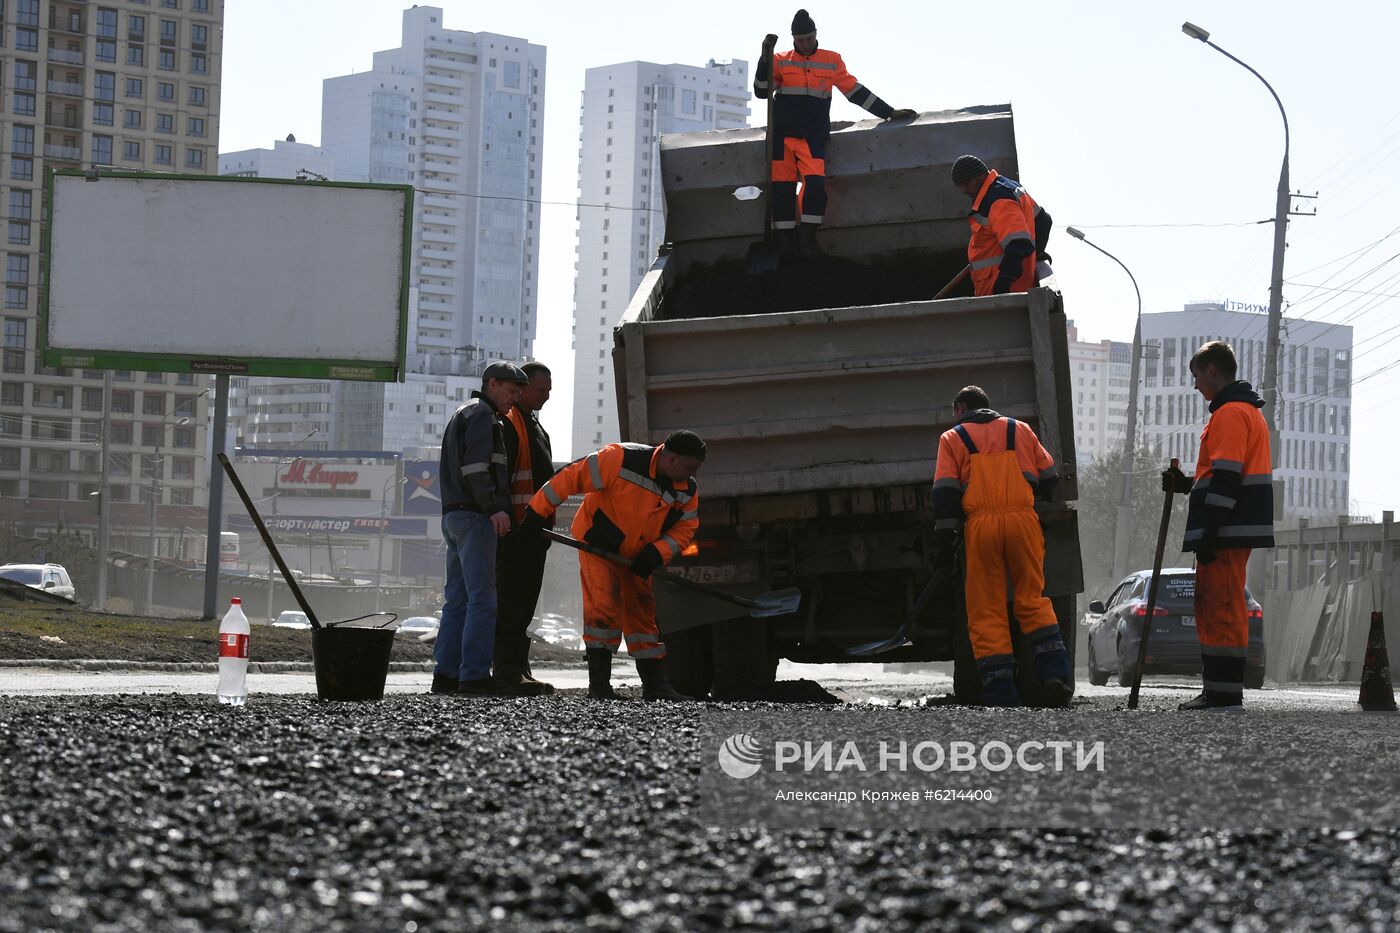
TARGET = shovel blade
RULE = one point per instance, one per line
(900, 639)
(777, 603)
(764, 256)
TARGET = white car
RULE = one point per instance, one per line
(292, 618)
(51, 578)
(425, 627)
(554, 629)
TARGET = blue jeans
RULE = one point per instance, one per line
(467, 631)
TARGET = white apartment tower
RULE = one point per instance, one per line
(1099, 381)
(460, 116)
(286, 159)
(122, 84)
(1314, 460)
(621, 220)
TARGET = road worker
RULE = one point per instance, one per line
(989, 470)
(1231, 512)
(520, 571)
(1009, 230)
(475, 514)
(641, 504)
(801, 82)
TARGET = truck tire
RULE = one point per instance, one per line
(743, 662)
(1026, 681)
(967, 682)
(689, 662)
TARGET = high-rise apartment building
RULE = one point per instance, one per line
(621, 219)
(126, 84)
(460, 116)
(1099, 383)
(1314, 459)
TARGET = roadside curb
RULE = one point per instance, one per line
(255, 667)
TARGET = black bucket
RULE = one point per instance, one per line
(352, 662)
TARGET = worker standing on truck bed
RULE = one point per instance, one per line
(642, 504)
(1231, 512)
(989, 470)
(1009, 230)
(801, 81)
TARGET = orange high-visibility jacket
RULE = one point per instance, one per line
(985, 431)
(1233, 499)
(801, 88)
(1002, 250)
(627, 506)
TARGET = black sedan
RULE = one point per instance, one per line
(1115, 628)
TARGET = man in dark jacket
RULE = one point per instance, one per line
(520, 571)
(475, 513)
(1231, 512)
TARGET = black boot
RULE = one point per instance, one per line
(807, 245)
(443, 684)
(655, 684)
(600, 675)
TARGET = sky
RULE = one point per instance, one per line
(1162, 150)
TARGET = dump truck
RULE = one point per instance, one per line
(821, 389)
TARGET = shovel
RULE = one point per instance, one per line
(900, 638)
(1152, 595)
(957, 280)
(764, 255)
(764, 606)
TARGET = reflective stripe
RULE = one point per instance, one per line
(1217, 499)
(1246, 531)
(595, 473)
(521, 498)
(644, 638)
(596, 632)
(690, 516)
(671, 543)
(521, 474)
(948, 482)
(471, 468)
(637, 480)
(657, 651)
(812, 218)
(1258, 479)
(986, 263)
(784, 224)
(1220, 651)
(940, 524)
(1018, 235)
(761, 85)
(1038, 211)
(805, 91)
(551, 496)
(498, 458)
(1048, 472)
(1030, 477)
(1232, 465)
(806, 63)
(979, 219)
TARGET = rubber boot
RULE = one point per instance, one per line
(1052, 665)
(999, 683)
(786, 242)
(600, 675)
(655, 684)
(807, 245)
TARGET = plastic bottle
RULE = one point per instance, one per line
(233, 655)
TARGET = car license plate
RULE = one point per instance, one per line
(718, 573)
(1188, 621)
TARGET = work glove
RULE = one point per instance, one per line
(1205, 550)
(1175, 481)
(770, 42)
(646, 561)
(1045, 258)
(945, 543)
(904, 114)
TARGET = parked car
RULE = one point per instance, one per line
(1115, 628)
(419, 625)
(292, 618)
(51, 578)
(554, 629)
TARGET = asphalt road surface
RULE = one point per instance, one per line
(132, 801)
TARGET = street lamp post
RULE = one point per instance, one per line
(1282, 204)
(1123, 529)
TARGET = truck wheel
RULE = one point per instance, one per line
(1254, 677)
(1026, 681)
(688, 661)
(744, 663)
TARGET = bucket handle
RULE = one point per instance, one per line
(393, 617)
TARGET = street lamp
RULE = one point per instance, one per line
(1123, 528)
(1281, 207)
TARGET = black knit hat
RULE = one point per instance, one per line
(802, 24)
(506, 372)
(686, 444)
(967, 168)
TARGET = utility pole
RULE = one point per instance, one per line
(104, 506)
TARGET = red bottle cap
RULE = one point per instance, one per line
(236, 601)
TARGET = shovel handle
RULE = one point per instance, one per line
(1152, 592)
(663, 574)
(957, 279)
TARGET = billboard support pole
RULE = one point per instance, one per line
(218, 443)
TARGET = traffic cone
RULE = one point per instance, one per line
(1377, 694)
